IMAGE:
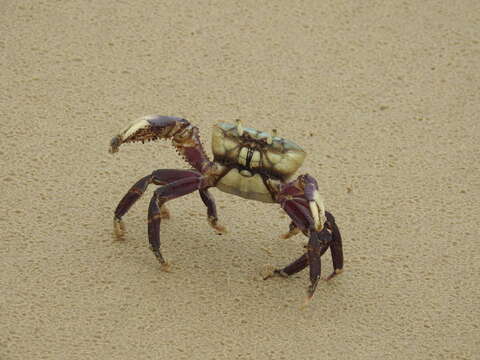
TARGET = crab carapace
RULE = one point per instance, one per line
(246, 162)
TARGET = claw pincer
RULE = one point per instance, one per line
(148, 128)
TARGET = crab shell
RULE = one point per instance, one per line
(256, 151)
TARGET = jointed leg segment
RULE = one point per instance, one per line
(212, 217)
(318, 244)
(175, 183)
(158, 177)
(188, 184)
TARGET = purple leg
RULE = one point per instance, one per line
(209, 202)
(189, 183)
(318, 243)
(158, 177)
(292, 231)
(336, 248)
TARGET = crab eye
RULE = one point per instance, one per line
(265, 138)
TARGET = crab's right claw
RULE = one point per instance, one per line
(148, 128)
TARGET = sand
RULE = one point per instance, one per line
(383, 95)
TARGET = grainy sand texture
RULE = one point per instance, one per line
(383, 95)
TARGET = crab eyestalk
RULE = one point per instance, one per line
(239, 127)
(267, 137)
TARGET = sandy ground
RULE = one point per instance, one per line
(384, 96)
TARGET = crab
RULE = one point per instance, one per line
(246, 162)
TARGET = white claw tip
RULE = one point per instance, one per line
(115, 144)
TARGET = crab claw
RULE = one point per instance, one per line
(148, 128)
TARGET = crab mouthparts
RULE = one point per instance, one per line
(249, 158)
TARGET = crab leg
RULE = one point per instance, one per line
(292, 231)
(336, 248)
(135, 192)
(158, 177)
(190, 183)
(317, 245)
(209, 202)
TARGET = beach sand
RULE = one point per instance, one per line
(383, 95)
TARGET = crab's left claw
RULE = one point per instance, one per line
(148, 128)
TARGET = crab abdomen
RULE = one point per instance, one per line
(245, 184)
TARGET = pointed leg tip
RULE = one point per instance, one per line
(221, 229)
(292, 232)
(216, 226)
(268, 272)
(164, 214)
(333, 274)
(311, 291)
(271, 271)
(119, 229)
(307, 301)
(166, 267)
